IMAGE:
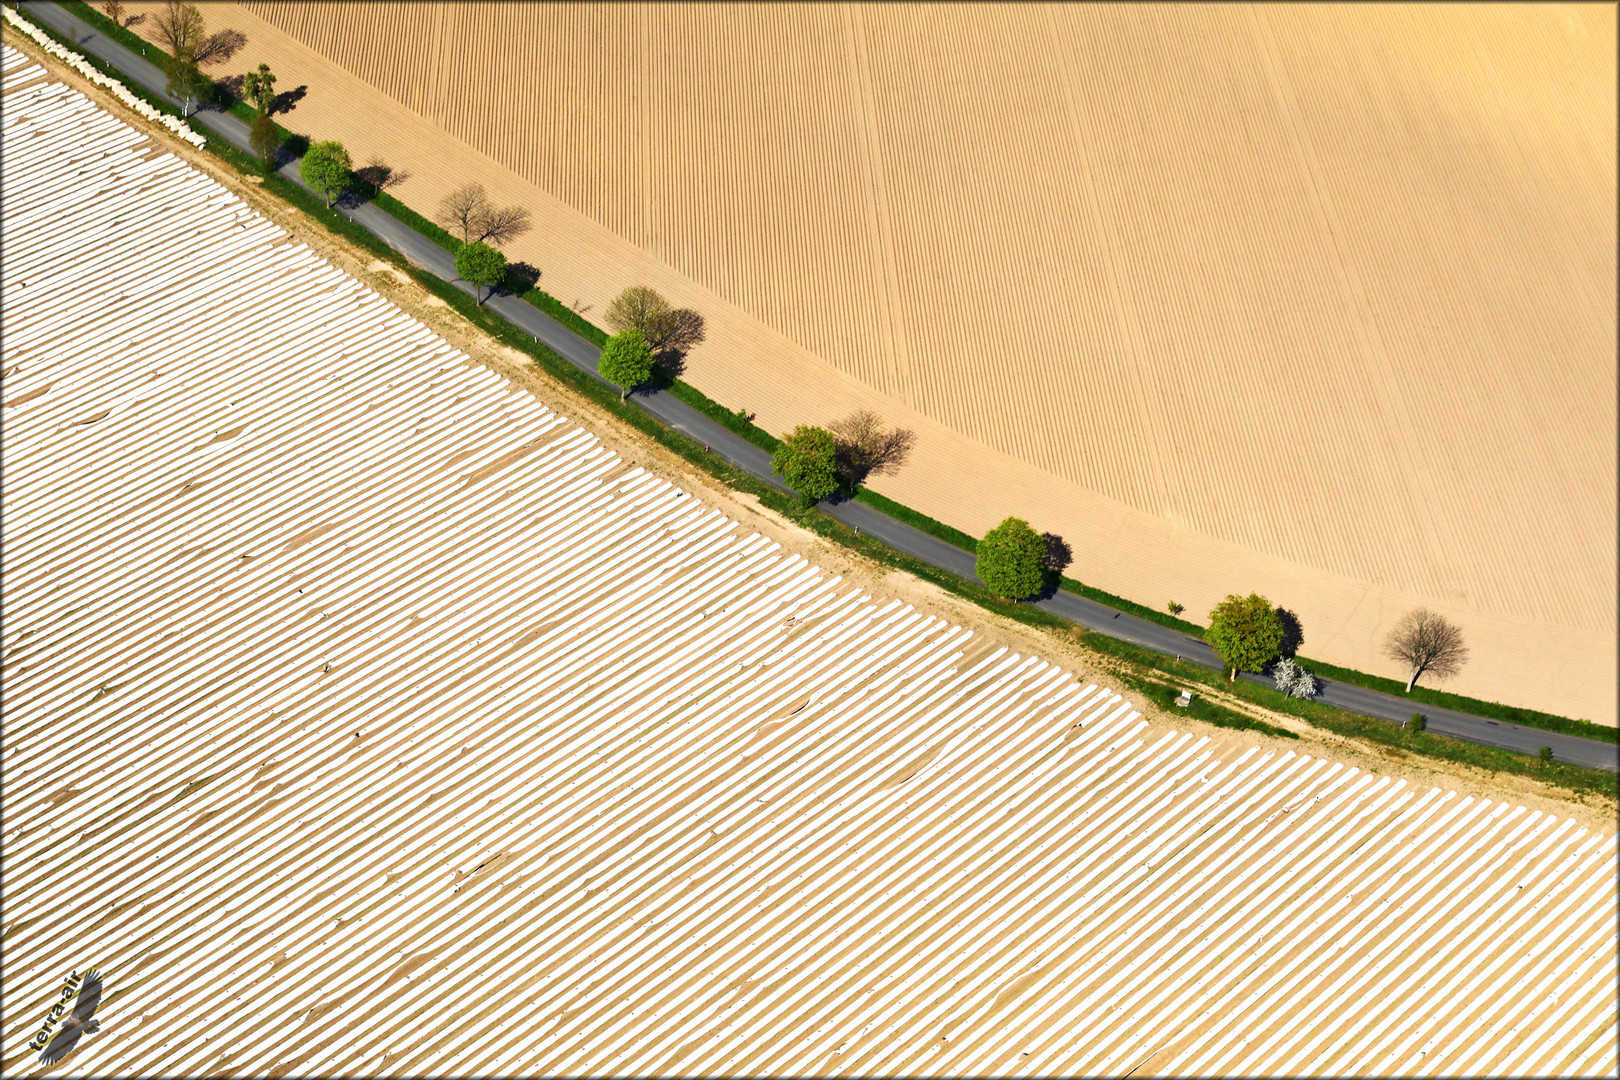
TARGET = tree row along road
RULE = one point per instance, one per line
(428, 256)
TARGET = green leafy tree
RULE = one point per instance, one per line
(259, 88)
(264, 139)
(627, 361)
(807, 462)
(1245, 631)
(187, 84)
(326, 169)
(1011, 560)
(480, 266)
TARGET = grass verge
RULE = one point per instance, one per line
(1140, 662)
(1530, 718)
(958, 538)
(1164, 695)
(129, 39)
(738, 421)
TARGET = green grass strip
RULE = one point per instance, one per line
(1573, 778)
(919, 521)
(129, 39)
(736, 420)
(1530, 718)
(1164, 695)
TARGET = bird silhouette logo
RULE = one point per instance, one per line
(79, 1023)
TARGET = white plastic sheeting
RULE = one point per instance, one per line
(364, 715)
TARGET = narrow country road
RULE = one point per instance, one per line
(751, 459)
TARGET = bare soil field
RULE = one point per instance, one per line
(1308, 300)
(367, 706)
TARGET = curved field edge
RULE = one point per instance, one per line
(737, 422)
(286, 814)
(1570, 777)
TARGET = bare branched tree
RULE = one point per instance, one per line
(468, 213)
(114, 10)
(670, 332)
(1426, 642)
(866, 447)
(219, 47)
(639, 307)
(179, 29)
(460, 210)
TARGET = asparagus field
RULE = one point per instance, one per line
(366, 716)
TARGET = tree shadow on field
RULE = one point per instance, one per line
(219, 47)
(227, 92)
(379, 176)
(1057, 559)
(671, 362)
(1293, 634)
(684, 330)
(287, 99)
(368, 182)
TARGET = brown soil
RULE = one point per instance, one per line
(1334, 230)
(857, 571)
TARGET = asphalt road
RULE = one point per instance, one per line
(751, 459)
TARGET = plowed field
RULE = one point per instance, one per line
(365, 716)
(1316, 301)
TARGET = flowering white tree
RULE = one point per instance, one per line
(1294, 680)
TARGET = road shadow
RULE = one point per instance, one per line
(659, 380)
(520, 278)
(227, 92)
(292, 148)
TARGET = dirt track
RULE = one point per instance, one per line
(1291, 297)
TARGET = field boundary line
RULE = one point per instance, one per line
(845, 514)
